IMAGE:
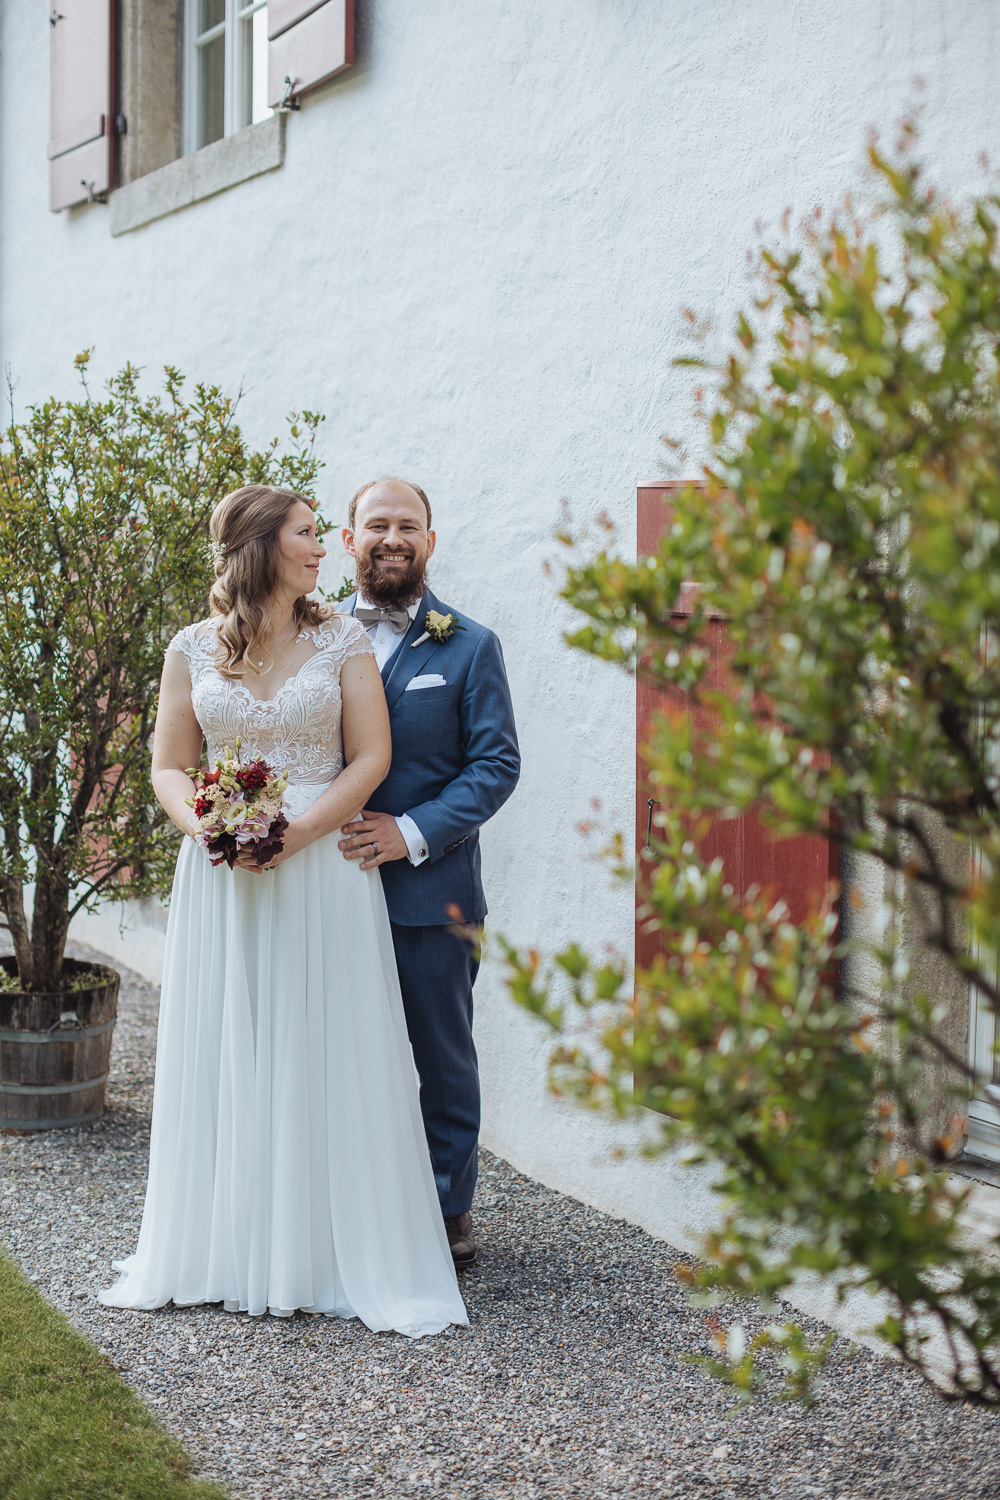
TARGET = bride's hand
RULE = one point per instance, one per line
(294, 838)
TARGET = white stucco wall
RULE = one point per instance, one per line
(474, 261)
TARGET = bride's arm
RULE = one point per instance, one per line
(367, 753)
(177, 741)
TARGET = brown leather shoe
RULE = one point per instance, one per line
(461, 1240)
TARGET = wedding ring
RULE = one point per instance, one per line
(375, 850)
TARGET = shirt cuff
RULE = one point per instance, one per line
(416, 844)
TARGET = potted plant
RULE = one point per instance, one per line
(104, 509)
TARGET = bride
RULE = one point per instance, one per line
(288, 1166)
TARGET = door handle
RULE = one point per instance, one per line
(649, 824)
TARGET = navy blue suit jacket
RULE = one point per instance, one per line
(455, 762)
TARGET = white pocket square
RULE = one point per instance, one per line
(429, 679)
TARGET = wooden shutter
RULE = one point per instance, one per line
(80, 111)
(798, 869)
(308, 42)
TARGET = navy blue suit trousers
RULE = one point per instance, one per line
(437, 970)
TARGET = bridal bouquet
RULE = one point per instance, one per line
(238, 808)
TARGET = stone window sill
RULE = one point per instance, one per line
(259, 148)
(978, 1168)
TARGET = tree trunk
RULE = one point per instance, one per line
(12, 900)
(49, 927)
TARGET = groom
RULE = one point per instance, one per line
(455, 761)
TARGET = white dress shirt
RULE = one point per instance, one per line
(386, 643)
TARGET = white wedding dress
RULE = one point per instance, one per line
(288, 1166)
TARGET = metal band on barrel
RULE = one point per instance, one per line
(49, 1088)
(57, 1036)
(65, 1122)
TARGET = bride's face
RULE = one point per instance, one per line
(299, 551)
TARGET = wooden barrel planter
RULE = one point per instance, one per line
(55, 1050)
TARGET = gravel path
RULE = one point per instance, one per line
(570, 1381)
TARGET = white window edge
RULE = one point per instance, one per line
(190, 179)
(236, 107)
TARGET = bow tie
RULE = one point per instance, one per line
(399, 619)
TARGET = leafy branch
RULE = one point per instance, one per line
(104, 509)
(847, 527)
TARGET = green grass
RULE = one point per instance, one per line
(70, 1428)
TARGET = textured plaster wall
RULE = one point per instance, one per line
(474, 261)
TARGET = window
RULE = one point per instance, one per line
(169, 77)
(226, 72)
(983, 1123)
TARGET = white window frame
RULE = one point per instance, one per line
(237, 112)
(983, 1122)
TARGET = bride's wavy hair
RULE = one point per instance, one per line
(244, 527)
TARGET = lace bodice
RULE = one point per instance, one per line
(298, 730)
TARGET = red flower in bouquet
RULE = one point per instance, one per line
(254, 777)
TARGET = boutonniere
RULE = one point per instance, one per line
(440, 628)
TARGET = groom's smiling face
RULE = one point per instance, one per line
(390, 543)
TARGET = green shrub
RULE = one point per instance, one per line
(104, 509)
(849, 529)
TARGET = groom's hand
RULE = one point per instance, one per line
(376, 831)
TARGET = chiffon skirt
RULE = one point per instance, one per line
(288, 1166)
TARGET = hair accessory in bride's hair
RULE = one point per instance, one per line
(218, 550)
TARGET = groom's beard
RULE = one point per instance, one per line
(391, 588)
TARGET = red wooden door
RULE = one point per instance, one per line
(797, 870)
